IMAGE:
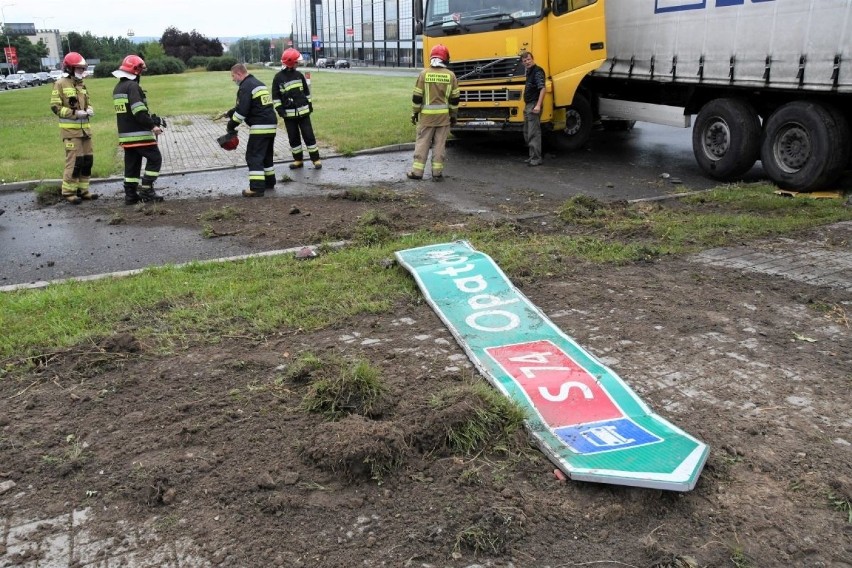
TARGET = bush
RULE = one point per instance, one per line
(165, 66)
(223, 63)
(105, 68)
(198, 61)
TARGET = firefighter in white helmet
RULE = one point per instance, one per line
(69, 100)
(435, 106)
(138, 130)
(291, 97)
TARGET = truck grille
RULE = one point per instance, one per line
(477, 69)
(484, 114)
(490, 96)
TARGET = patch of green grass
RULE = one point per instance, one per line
(48, 194)
(226, 213)
(374, 227)
(369, 194)
(344, 117)
(476, 416)
(346, 388)
(741, 560)
(842, 504)
(493, 532)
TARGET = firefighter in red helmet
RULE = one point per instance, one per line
(435, 105)
(138, 131)
(69, 100)
(291, 96)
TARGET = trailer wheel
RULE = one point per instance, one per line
(578, 125)
(805, 145)
(726, 138)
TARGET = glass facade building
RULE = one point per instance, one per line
(366, 32)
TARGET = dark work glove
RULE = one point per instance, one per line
(310, 107)
(453, 121)
(415, 116)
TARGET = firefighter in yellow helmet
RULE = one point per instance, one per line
(435, 105)
(69, 100)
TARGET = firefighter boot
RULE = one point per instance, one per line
(72, 198)
(130, 195)
(252, 192)
(317, 165)
(297, 164)
(87, 195)
(147, 194)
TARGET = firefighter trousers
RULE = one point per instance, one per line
(298, 129)
(434, 137)
(79, 158)
(260, 152)
(133, 157)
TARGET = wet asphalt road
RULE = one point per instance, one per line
(61, 241)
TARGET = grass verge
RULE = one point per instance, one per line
(168, 308)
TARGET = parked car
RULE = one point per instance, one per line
(15, 82)
(322, 62)
(44, 77)
(3, 85)
(31, 80)
(56, 74)
(341, 64)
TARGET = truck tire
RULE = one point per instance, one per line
(726, 138)
(578, 125)
(805, 146)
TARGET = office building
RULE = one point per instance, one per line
(368, 32)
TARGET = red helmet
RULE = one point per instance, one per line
(440, 51)
(133, 64)
(290, 57)
(229, 141)
(73, 59)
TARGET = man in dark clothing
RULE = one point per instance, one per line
(291, 97)
(138, 130)
(254, 107)
(533, 99)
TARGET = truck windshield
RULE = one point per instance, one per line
(465, 16)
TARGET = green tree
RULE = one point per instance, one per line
(185, 45)
(151, 50)
(29, 54)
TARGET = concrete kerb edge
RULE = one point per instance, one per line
(29, 185)
(126, 273)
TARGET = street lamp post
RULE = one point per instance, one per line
(6, 33)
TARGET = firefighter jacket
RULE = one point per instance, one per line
(67, 97)
(254, 107)
(134, 121)
(436, 97)
(291, 95)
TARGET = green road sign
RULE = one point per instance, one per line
(581, 414)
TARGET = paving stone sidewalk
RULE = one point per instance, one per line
(189, 145)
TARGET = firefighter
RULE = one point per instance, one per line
(138, 130)
(254, 107)
(435, 105)
(291, 96)
(69, 100)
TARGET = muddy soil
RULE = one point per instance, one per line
(213, 451)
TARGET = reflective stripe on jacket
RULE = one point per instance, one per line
(135, 125)
(436, 96)
(291, 95)
(67, 97)
(254, 107)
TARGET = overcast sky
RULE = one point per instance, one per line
(211, 18)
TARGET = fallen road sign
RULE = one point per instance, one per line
(580, 413)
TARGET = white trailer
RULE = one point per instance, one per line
(767, 79)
